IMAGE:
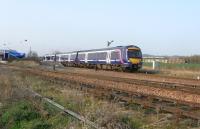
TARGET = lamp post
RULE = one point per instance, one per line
(30, 52)
(5, 46)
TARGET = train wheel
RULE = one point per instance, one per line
(101, 66)
(123, 69)
(96, 67)
(134, 70)
(111, 67)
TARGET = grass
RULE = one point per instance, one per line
(132, 122)
(192, 67)
(21, 115)
(176, 70)
(25, 115)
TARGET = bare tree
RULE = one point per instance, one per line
(55, 52)
(193, 59)
(32, 54)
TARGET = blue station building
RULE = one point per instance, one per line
(11, 54)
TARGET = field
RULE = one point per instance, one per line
(191, 67)
(20, 112)
(177, 70)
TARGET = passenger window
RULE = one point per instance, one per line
(114, 55)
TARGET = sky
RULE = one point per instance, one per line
(158, 27)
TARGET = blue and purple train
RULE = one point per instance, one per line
(124, 57)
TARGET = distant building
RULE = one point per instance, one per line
(176, 60)
(157, 59)
(172, 60)
(10, 54)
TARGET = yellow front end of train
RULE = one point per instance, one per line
(134, 56)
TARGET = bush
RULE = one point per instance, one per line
(193, 59)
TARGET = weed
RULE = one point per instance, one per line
(149, 111)
(132, 123)
(41, 125)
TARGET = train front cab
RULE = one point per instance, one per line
(134, 56)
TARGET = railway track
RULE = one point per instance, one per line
(186, 87)
(159, 104)
(148, 94)
(190, 88)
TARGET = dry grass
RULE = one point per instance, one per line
(176, 70)
(103, 113)
(27, 63)
(6, 88)
(176, 73)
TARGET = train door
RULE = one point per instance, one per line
(69, 58)
(59, 58)
(86, 57)
(108, 57)
(45, 58)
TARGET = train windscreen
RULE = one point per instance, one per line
(134, 54)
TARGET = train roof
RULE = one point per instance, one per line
(109, 48)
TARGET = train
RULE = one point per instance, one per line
(120, 57)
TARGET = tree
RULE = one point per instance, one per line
(32, 54)
(56, 52)
(193, 59)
